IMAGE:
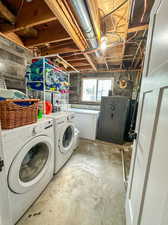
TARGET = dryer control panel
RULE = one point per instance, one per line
(71, 116)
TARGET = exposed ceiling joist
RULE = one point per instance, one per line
(32, 14)
(66, 18)
(138, 48)
(84, 67)
(61, 10)
(54, 32)
(90, 61)
(79, 61)
(118, 71)
(68, 64)
(78, 64)
(59, 49)
(117, 60)
(138, 28)
(116, 8)
(14, 38)
(6, 13)
(28, 33)
(74, 58)
(114, 57)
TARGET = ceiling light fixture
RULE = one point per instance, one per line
(103, 45)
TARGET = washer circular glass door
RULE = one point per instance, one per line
(66, 137)
(30, 164)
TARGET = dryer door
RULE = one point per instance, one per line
(30, 164)
(66, 138)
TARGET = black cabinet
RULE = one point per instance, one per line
(113, 119)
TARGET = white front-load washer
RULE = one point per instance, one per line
(29, 161)
(64, 131)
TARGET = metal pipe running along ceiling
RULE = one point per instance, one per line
(82, 15)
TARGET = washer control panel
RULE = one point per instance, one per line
(40, 127)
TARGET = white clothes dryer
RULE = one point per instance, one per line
(71, 117)
(29, 160)
(65, 139)
(76, 139)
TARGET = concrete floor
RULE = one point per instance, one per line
(88, 191)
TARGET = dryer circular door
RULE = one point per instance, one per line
(30, 164)
(66, 137)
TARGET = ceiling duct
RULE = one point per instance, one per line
(82, 15)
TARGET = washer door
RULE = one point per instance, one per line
(30, 164)
(66, 137)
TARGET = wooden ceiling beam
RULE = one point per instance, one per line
(74, 57)
(90, 61)
(117, 71)
(14, 38)
(32, 14)
(51, 34)
(68, 64)
(78, 61)
(138, 28)
(79, 64)
(114, 57)
(117, 60)
(62, 11)
(28, 33)
(6, 13)
(83, 67)
(59, 50)
(138, 48)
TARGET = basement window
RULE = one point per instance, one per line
(94, 89)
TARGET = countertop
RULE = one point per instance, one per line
(84, 111)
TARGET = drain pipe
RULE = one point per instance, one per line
(123, 168)
(82, 15)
